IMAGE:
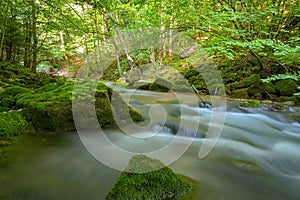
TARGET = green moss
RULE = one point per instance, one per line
(163, 82)
(13, 123)
(238, 85)
(297, 99)
(135, 183)
(7, 97)
(279, 107)
(297, 118)
(270, 88)
(3, 109)
(239, 94)
(285, 98)
(255, 86)
(192, 195)
(13, 91)
(158, 87)
(7, 102)
(49, 107)
(250, 103)
(286, 87)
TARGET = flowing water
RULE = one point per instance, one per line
(257, 156)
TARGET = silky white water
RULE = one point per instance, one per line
(257, 156)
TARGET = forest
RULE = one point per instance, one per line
(70, 67)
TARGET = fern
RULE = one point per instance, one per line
(281, 77)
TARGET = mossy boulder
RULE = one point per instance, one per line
(239, 84)
(270, 88)
(163, 82)
(159, 85)
(13, 123)
(297, 99)
(279, 107)
(286, 98)
(53, 104)
(297, 118)
(147, 178)
(239, 93)
(156, 87)
(286, 87)
(255, 86)
(250, 103)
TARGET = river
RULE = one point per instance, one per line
(256, 157)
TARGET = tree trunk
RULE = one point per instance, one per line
(34, 37)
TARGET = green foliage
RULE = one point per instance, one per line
(13, 123)
(7, 97)
(135, 183)
(277, 77)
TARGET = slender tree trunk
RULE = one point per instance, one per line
(34, 37)
(171, 36)
(152, 60)
(117, 58)
(98, 47)
(3, 33)
(123, 45)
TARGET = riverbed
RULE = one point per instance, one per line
(256, 157)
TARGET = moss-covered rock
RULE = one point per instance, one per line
(53, 104)
(159, 182)
(158, 87)
(250, 103)
(297, 99)
(239, 84)
(255, 86)
(240, 94)
(163, 82)
(285, 98)
(12, 123)
(286, 87)
(270, 88)
(297, 118)
(279, 107)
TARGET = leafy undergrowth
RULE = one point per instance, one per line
(12, 124)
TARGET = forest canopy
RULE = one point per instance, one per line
(253, 36)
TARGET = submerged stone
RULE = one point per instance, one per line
(147, 178)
